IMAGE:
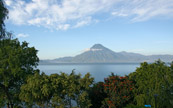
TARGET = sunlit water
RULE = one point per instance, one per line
(98, 71)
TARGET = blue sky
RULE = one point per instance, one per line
(59, 28)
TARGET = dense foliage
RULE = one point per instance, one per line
(114, 92)
(119, 91)
(151, 84)
(57, 91)
(17, 61)
(152, 80)
(97, 95)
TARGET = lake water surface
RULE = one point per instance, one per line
(98, 71)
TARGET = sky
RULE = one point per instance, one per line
(58, 28)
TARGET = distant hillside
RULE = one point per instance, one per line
(100, 54)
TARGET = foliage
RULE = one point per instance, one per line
(134, 106)
(57, 90)
(97, 95)
(3, 16)
(71, 87)
(155, 78)
(37, 90)
(2, 101)
(17, 61)
(119, 91)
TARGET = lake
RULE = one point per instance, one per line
(98, 71)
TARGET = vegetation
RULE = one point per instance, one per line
(57, 90)
(152, 80)
(134, 106)
(67, 91)
(3, 16)
(17, 62)
(118, 90)
(97, 95)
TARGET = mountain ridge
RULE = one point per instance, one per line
(100, 54)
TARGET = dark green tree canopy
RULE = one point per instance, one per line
(151, 79)
(17, 62)
(3, 16)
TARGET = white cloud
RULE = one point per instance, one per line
(65, 14)
(119, 14)
(22, 35)
(63, 27)
(8, 2)
(83, 22)
(142, 10)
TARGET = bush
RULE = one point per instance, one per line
(118, 90)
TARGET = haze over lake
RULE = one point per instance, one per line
(98, 71)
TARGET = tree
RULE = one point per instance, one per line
(3, 16)
(17, 62)
(97, 95)
(37, 90)
(151, 79)
(57, 90)
(82, 97)
(118, 90)
(68, 88)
